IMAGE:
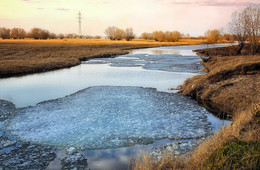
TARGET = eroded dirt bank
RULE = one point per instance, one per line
(232, 83)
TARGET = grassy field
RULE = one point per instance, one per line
(20, 57)
(107, 41)
(230, 87)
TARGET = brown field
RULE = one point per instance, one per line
(20, 57)
(231, 87)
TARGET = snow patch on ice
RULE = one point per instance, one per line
(110, 117)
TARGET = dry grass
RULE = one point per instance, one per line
(232, 84)
(244, 128)
(168, 161)
(107, 42)
(19, 57)
(25, 58)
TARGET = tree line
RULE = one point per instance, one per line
(35, 33)
(115, 33)
(163, 36)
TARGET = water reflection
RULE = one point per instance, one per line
(129, 70)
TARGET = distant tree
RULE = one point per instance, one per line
(172, 36)
(110, 32)
(61, 36)
(97, 37)
(44, 34)
(119, 34)
(129, 34)
(187, 35)
(5, 33)
(144, 35)
(18, 33)
(53, 36)
(69, 36)
(35, 33)
(114, 33)
(38, 33)
(159, 36)
(227, 37)
(212, 36)
(75, 36)
(147, 36)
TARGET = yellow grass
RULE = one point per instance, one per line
(244, 127)
(107, 41)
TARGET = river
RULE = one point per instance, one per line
(93, 115)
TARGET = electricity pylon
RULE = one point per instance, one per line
(79, 20)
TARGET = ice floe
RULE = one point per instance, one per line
(110, 117)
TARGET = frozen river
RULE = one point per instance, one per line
(92, 113)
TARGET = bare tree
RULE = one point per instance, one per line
(44, 34)
(245, 25)
(147, 36)
(110, 32)
(187, 35)
(5, 33)
(213, 36)
(53, 36)
(97, 37)
(129, 34)
(114, 33)
(18, 33)
(159, 36)
(119, 34)
(172, 36)
(35, 33)
(61, 36)
(238, 29)
(252, 17)
(227, 37)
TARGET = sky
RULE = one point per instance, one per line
(60, 16)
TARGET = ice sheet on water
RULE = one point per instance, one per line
(164, 62)
(109, 117)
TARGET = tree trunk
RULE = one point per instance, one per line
(240, 46)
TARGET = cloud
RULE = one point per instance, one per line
(63, 9)
(31, 1)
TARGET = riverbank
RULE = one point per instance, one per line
(231, 88)
(231, 85)
(21, 57)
